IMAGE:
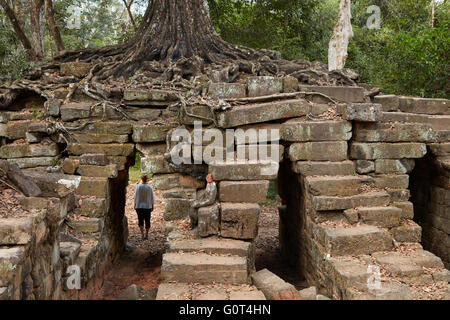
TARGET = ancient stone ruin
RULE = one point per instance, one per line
(365, 180)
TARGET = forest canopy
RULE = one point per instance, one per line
(408, 54)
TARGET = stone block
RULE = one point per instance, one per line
(17, 129)
(365, 166)
(78, 149)
(151, 149)
(386, 217)
(100, 138)
(325, 168)
(91, 225)
(357, 240)
(93, 159)
(15, 231)
(273, 287)
(203, 268)
(76, 110)
(70, 165)
(410, 232)
(247, 295)
(394, 132)
(155, 165)
(227, 90)
(440, 149)
(319, 151)
(308, 293)
(343, 94)
(264, 86)
(389, 166)
(173, 291)
(336, 185)
(264, 112)
(362, 112)
(290, 84)
(151, 97)
(10, 259)
(425, 105)
(208, 221)
(176, 209)
(373, 151)
(370, 199)
(143, 133)
(388, 102)
(243, 191)
(243, 171)
(109, 127)
(302, 131)
(96, 187)
(109, 171)
(391, 181)
(239, 220)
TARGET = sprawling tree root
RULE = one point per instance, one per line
(175, 47)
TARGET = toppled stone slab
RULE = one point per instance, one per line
(243, 191)
(239, 220)
(203, 268)
(319, 151)
(273, 287)
(258, 113)
(324, 168)
(327, 130)
(28, 187)
(372, 151)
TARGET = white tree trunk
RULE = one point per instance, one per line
(343, 32)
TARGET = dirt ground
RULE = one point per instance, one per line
(142, 264)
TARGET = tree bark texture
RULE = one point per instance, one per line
(343, 32)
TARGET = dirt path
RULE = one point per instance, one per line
(142, 265)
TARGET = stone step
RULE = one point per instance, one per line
(16, 231)
(189, 291)
(364, 112)
(13, 151)
(204, 268)
(398, 132)
(324, 168)
(369, 199)
(336, 185)
(114, 149)
(319, 151)
(386, 217)
(373, 151)
(343, 94)
(264, 112)
(108, 171)
(356, 240)
(88, 225)
(212, 246)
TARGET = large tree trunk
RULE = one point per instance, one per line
(176, 29)
(343, 32)
(54, 31)
(35, 26)
(18, 29)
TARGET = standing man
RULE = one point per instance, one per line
(208, 199)
(143, 203)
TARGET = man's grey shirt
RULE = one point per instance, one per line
(144, 197)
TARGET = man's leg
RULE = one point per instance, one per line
(193, 215)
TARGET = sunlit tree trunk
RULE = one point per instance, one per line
(343, 32)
